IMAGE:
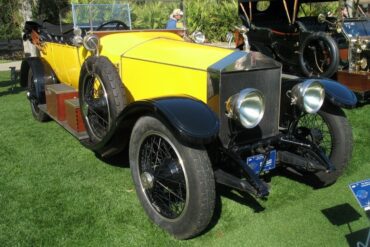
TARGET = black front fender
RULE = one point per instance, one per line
(190, 120)
(338, 94)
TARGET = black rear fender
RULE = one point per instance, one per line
(42, 75)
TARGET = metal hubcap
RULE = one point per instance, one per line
(147, 180)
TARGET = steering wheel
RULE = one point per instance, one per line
(119, 25)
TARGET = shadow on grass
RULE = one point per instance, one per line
(239, 197)
(363, 104)
(303, 178)
(359, 238)
(345, 214)
(362, 99)
(11, 88)
(341, 214)
(120, 160)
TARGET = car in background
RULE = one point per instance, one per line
(312, 43)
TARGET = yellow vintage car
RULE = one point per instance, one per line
(191, 115)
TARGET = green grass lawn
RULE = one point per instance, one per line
(53, 191)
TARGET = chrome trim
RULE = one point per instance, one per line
(234, 106)
(236, 61)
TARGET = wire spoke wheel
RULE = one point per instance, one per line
(316, 131)
(102, 98)
(162, 176)
(96, 106)
(174, 182)
(331, 132)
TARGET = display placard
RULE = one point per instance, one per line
(361, 190)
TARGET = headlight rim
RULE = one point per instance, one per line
(298, 94)
(86, 43)
(198, 37)
(234, 106)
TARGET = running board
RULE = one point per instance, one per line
(79, 135)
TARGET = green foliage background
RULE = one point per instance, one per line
(49, 9)
(9, 20)
(314, 9)
(213, 17)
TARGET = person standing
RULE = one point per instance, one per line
(175, 20)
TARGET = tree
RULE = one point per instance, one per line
(26, 12)
(49, 9)
(10, 20)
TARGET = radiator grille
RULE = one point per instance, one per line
(268, 81)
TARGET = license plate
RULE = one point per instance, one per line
(256, 162)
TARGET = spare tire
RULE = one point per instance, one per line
(102, 97)
(319, 55)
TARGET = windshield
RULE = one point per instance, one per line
(134, 14)
(93, 15)
(356, 28)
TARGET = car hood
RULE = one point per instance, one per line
(161, 47)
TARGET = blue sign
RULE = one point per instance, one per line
(361, 190)
(257, 164)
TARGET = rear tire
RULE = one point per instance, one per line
(174, 183)
(36, 112)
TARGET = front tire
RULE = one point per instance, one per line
(174, 182)
(102, 96)
(335, 140)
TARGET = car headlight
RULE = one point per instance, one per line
(308, 95)
(198, 37)
(247, 106)
(91, 43)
